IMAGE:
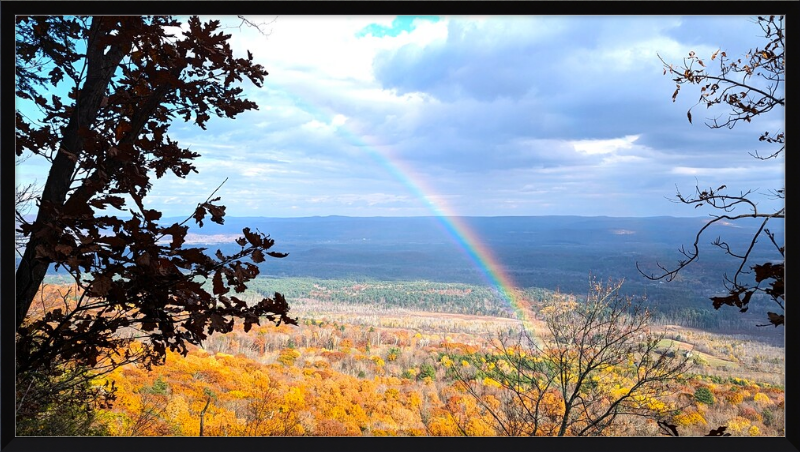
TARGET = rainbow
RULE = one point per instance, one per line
(457, 229)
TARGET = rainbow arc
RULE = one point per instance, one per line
(460, 232)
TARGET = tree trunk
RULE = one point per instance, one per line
(203, 415)
(100, 68)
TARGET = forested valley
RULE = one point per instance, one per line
(378, 358)
(379, 349)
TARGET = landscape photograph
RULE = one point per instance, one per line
(296, 231)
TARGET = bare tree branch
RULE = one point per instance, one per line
(566, 383)
(746, 97)
(258, 26)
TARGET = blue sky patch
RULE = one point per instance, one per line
(399, 25)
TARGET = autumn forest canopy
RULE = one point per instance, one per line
(132, 318)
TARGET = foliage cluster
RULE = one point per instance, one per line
(96, 97)
(340, 380)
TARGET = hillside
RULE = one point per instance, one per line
(548, 252)
(383, 370)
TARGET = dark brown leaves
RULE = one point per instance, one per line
(720, 431)
(254, 239)
(257, 256)
(100, 286)
(208, 207)
(775, 319)
(735, 298)
(219, 287)
(672, 430)
(113, 131)
(178, 234)
(768, 271)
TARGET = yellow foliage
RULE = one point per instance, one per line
(319, 398)
(689, 418)
(477, 427)
(414, 400)
(745, 393)
(619, 391)
(118, 424)
(237, 394)
(762, 399)
(288, 356)
(293, 399)
(737, 424)
(735, 398)
(504, 366)
(178, 414)
(443, 425)
(322, 364)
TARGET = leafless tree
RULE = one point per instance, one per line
(260, 26)
(596, 364)
(748, 87)
(25, 197)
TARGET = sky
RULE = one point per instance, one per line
(474, 116)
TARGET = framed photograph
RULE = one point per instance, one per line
(300, 226)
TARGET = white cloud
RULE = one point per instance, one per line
(338, 120)
(593, 147)
(327, 46)
(708, 171)
(369, 199)
(518, 115)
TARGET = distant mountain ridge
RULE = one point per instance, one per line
(548, 252)
(551, 252)
(504, 229)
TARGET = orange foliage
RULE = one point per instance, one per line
(315, 390)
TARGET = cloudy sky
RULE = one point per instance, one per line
(521, 115)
